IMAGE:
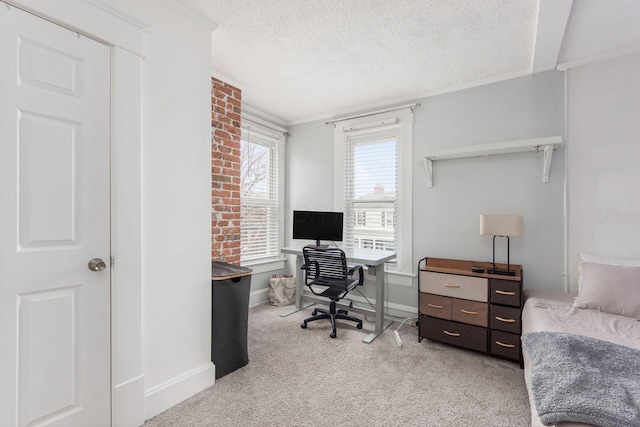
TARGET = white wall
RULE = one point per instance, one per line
(176, 204)
(604, 160)
(309, 165)
(309, 168)
(446, 216)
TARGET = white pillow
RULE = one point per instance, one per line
(584, 257)
(610, 288)
(610, 261)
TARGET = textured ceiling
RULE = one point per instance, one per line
(300, 60)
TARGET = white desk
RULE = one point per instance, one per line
(374, 260)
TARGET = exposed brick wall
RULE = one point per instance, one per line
(225, 172)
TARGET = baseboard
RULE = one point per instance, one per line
(400, 310)
(259, 296)
(163, 396)
(397, 310)
(128, 403)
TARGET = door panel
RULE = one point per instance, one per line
(46, 324)
(54, 197)
(47, 174)
(47, 68)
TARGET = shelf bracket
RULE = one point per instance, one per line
(548, 155)
(428, 168)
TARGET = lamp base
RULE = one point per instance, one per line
(501, 272)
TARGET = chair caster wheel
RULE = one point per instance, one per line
(303, 325)
(314, 312)
(332, 334)
(359, 326)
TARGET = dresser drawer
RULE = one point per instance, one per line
(471, 312)
(467, 336)
(505, 344)
(505, 319)
(505, 292)
(453, 285)
(435, 305)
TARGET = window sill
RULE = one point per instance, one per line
(265, 265)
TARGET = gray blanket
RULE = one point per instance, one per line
(582, 379)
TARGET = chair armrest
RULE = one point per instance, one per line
(360, 271)
(312, 264)
(354, 269)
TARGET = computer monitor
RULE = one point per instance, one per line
(316, 225)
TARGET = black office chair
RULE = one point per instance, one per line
(326, 273)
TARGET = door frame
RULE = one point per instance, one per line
(123, 34)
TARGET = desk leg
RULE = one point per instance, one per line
(381, 323)
(299, 290)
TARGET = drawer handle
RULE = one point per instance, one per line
(505, 292)
(452, 334)
(502, 319)
(468, 312)
(434, 306)
(449, 285)
(501, 344)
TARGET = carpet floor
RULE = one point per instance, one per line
(302, 377)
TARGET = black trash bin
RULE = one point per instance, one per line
(230, 285)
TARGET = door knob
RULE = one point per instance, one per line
(97, 264)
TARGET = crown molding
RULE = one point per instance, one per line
(227, 79)
(119, 14)
(191, 14)
(564, 66)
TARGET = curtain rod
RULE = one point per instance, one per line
(259, 121)
(373, 113)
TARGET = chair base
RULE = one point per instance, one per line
(331, 314)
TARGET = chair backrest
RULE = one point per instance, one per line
(325, 265)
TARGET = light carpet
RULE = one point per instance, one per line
(302, 377)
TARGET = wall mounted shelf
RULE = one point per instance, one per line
(547, 145)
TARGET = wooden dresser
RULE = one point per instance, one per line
(474, 310)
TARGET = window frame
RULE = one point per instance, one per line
(274, 140)
(399, 122)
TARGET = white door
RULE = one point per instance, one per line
(54, 218)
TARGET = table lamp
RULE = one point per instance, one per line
(501, 226)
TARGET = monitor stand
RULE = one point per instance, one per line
(319, 246)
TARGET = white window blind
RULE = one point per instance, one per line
(259, 194)
(373, 182)
(370, 189)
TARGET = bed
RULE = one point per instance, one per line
(603, 316)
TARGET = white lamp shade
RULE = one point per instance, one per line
(501, 225)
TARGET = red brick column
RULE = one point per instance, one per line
(225, 172)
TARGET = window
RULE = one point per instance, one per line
(373, 183)
(365, 243)
(386, 219)
(370, 183)
(260, 198)
(384, 245)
